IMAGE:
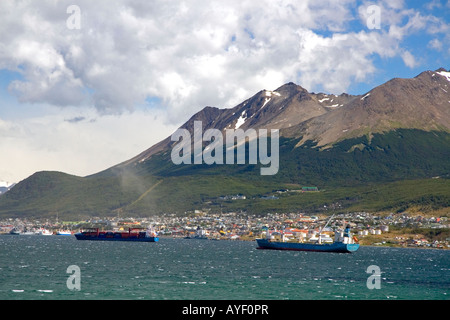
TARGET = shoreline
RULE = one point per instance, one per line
(362, 245)
(251, 240)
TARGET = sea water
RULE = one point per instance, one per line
(37, 268)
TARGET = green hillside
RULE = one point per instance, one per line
(389, 172)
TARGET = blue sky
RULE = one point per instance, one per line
(82, 99)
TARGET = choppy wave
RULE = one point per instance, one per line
(36, 268)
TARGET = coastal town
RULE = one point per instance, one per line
(400, 229)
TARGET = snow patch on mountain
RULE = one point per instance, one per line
(365, 96)
(5, 184)
(241, 120)
(444, 74)
(266, 101)
(272, 93)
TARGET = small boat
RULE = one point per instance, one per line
(64, 233)
(132, 235)
(15, 232)
(44, 232)
(343, 243)
(22, 232)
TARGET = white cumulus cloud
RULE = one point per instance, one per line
(188, 54)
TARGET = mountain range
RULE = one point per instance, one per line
(5, 186)
(386, 149)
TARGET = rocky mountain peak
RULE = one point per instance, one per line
(422, 103)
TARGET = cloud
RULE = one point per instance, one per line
(75, 119)
(435, 44)
(190, 54)
(409, 59)
(50, 142)
(333, 63)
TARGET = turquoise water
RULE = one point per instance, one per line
(35, 267)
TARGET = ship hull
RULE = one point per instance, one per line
(63, 233)
(80, 236)
(332, 247)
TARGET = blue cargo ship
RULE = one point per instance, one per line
(297, 246)
(343, 243)
(133, 235)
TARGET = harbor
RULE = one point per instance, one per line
(402, 230)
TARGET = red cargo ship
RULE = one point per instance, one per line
(133, 234)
